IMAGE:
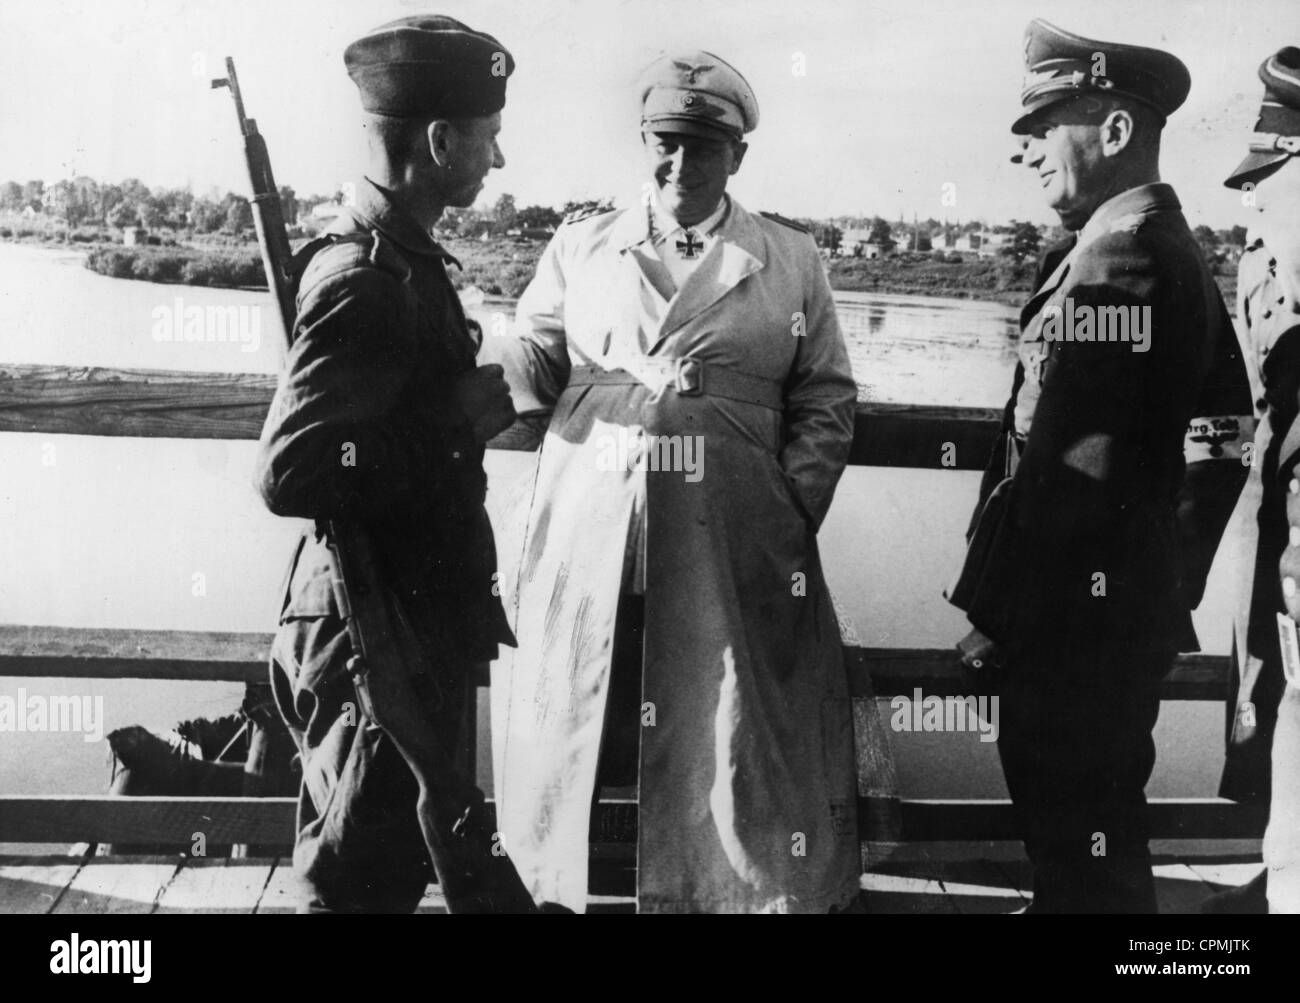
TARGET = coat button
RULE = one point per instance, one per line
(456, 455)
(1294, 536)
(1288, 587)
(1294, 486)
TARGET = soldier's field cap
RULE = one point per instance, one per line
(429, 65)
(1061, 66)
(1277, 131)
(697, 93)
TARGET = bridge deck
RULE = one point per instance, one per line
(960, 879)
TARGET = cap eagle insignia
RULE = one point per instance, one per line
(689, 72)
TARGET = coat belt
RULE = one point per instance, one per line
(690, 377)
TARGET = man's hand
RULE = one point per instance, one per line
(484, 396)
(979, 654)
(977, 650)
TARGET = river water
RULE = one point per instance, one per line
(115, 532)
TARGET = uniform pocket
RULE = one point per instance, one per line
(311, 595)
(309, 676)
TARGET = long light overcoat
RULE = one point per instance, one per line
(747, 788)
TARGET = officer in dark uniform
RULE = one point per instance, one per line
(381, 419)
(1271, 174)
(1268, 314)
(1120, 464)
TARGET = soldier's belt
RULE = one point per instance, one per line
(689, 377)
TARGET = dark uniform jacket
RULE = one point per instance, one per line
(364, 427)
(1104, 535)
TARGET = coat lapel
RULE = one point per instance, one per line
(739, 252)
(1052, 283)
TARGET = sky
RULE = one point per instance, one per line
(865, 108)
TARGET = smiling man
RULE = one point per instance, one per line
(675, 628)
(1104, 500)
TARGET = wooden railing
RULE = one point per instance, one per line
(49, 399)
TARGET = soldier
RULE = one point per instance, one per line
(1090, 544)
(1270, 333)
(1272, 173)
(672, 614)
(381, 418)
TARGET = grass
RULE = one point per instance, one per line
(997, 279)
(234, 268)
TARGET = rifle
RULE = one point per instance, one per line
(473, 871)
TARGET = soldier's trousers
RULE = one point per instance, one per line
(1076, 749)
(359, 846)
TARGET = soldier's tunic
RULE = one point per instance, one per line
(1082, 566)
(747, 788)
(364, 427)
(1270, 343)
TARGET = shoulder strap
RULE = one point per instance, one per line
(370, 247)
(578, 215)
(784, 221)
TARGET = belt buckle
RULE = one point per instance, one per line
(689, 377)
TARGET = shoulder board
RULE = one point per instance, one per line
(777, 218)
(581, 214)
(354, 250)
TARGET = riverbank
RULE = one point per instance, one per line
(503, 268)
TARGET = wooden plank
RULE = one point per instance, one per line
(432, 902)
(34, 887)
(67, 818)
(117, 885)
(216, 886)
(914, 435)
(282, 890)
(971, 883)
(1179, 889)
(102, 653)
(888, 672)
(1170, 818)
(134, 402)
(1220, 876)
(151, 403)
(904, 895)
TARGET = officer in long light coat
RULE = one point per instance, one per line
(700, 410)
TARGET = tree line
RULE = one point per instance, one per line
(82, 201)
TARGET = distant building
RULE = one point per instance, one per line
(984, 243)
(134, 235)
(858, 244)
